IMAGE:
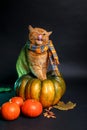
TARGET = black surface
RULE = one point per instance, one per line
(70, 120)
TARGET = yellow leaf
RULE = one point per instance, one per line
(65, 106)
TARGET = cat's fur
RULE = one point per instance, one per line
(34, 62)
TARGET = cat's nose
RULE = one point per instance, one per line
(40, 37)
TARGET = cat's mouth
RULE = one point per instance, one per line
(39, 42)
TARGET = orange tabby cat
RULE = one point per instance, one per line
(38, 62)
(34, 56)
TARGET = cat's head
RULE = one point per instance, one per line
(38, 36)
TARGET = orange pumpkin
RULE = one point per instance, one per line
(10, 111)
(48, 91)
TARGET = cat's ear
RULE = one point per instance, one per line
(30, 28)
(49, 33)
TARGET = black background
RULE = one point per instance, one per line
(68, 21)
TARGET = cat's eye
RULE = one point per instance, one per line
(44, 34)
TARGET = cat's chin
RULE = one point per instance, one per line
(39, 42)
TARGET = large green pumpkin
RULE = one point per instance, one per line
(48, 91)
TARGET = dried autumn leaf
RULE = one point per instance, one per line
(62, 106)
(48, 113)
